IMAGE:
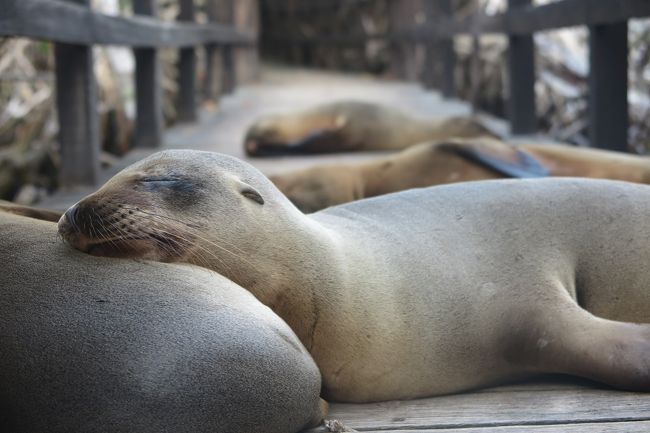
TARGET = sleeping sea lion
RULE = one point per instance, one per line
(89, 344)
(412, 294)
(448, 161)
(350, 126)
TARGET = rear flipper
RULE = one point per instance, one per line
(573, 341)
(498, 156)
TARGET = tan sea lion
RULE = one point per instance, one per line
(31, 212)
(350, 126)
(412, 294)
(448, 161)
(89, 344)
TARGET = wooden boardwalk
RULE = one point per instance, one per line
(552, 405)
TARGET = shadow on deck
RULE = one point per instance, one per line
(548, 406)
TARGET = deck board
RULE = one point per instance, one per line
(544, 406)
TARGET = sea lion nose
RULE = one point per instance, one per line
(67, 223)
(251, 146)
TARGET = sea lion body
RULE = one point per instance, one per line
(350, 126)
(448, 161)
(90, 344)
(423, 292)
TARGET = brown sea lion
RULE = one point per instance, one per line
(448, 161)
(91, 345)
(417, 293)
(350, 126)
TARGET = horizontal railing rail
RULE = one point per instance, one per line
(60, 21)
(75, 28)
(607, 23)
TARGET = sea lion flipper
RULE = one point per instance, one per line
(503, 158)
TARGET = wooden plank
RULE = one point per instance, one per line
(431, 73)
(521, 74)
(569, 13)
(59, 21)
(448, 55)
(488, 410)
(608, 110)
(528, 20)
(554, 15)
(149, 115)
(186, 103)
(229, 74)
(76, 101)
(608, 427)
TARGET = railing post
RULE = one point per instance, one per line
(448, 55)
(186, 71)
(432, 48)
(402, 53)
(521, 72)
(228, 77)
(149, 116)
(209, 89)
(76, 100)
(608, 110)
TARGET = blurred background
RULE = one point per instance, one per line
(288, 34)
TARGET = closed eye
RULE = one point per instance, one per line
(162, 179)
(169, 182)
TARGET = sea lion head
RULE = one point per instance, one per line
(176, 205)
(300, 132)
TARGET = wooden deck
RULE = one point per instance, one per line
(552, 405)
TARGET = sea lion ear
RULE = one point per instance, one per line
(251, 193)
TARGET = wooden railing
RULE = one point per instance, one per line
(606, 20)
(75, 28)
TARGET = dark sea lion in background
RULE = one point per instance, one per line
(31, 212)
(89, 344)
(350, 126)
(422, 292)
(449, 161)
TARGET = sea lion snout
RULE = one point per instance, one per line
(103, 227)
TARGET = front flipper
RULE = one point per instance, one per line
(501, 157)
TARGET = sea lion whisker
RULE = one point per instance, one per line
(187, 229)
(189, 226)
(202, 257)
(157, 215)
(221, 247)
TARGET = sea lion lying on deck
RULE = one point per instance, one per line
(350, 126)
(449, 161)
(423, 292)
(89, 344)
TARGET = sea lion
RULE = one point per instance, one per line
(350, 126)
(31, 212)
(89, 344)
(412, 294)
(435, 163)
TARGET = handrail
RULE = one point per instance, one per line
(59, 21)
